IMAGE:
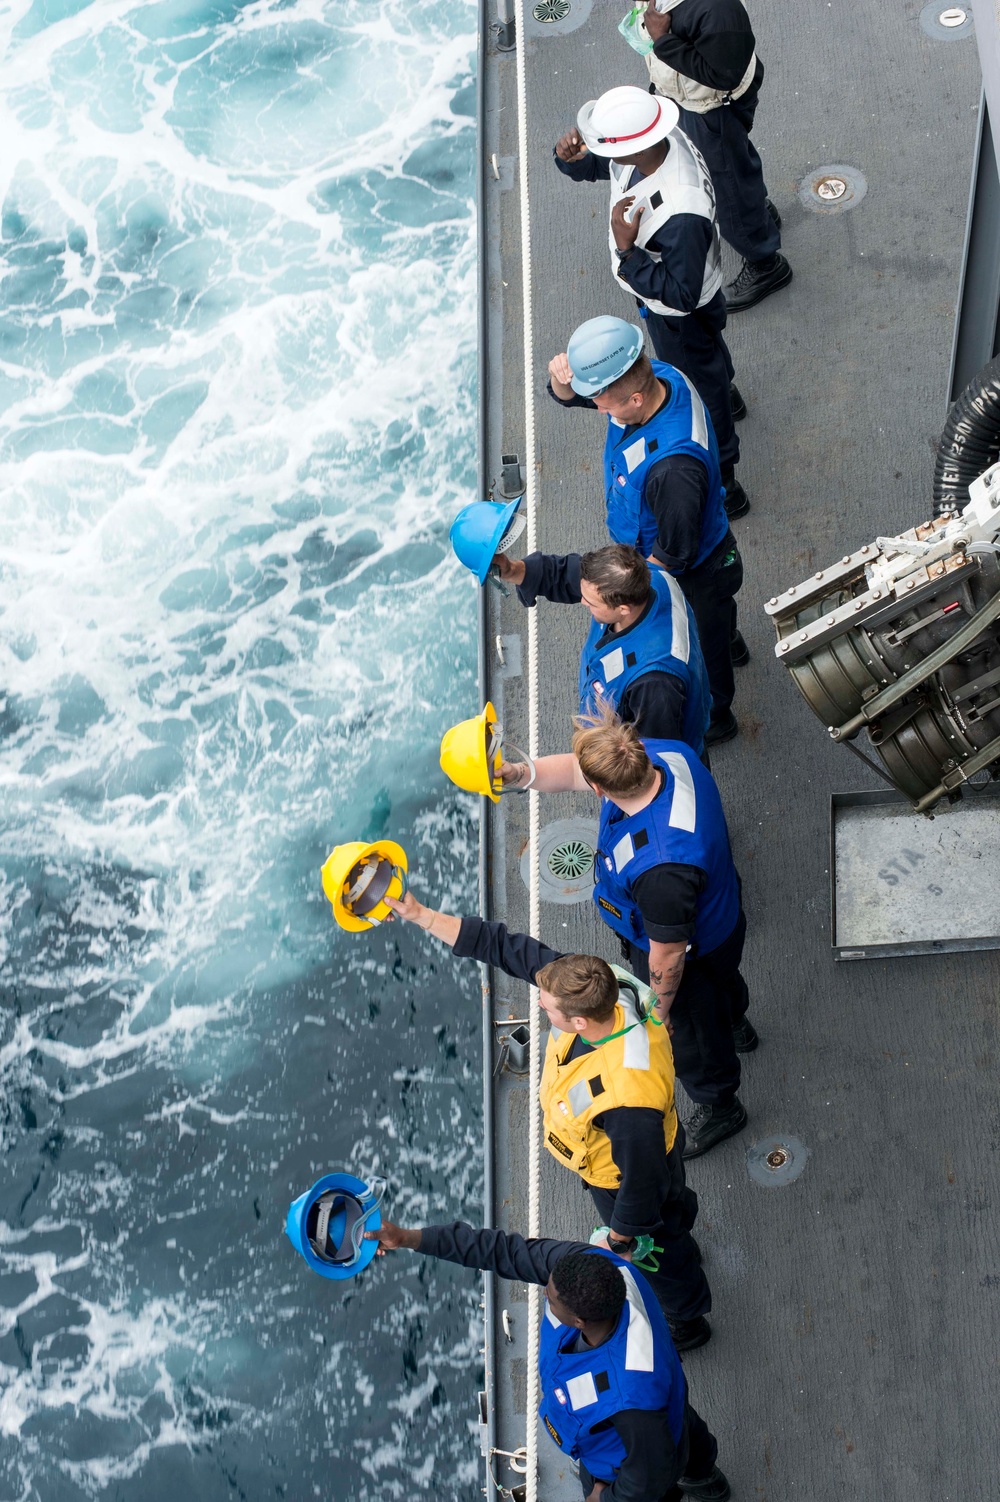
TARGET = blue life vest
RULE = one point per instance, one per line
(665, 640)
(684, 825)
(636, 1367)
(682, 426)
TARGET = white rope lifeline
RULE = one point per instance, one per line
(530, 506)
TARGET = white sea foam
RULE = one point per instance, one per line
(236, 415)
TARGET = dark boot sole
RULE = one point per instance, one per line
(739, 406)
(694, 1148)
(693, 1342)
(729, 734)
(746, 1047)
(741, 658)
(737, 511)
(760, 294)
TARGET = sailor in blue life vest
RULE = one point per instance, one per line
(704, 58)
(666, 884)
(664, 243)
(613, 1392)
(662, 485)
(607, 1101)
(642, 652)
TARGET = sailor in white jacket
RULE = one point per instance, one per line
(664, 244)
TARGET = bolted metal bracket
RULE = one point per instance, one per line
(513, 480)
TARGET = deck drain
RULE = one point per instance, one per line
(832, 190)
(551, 10)
(565, 861)
(776, 1161)
(569, 861)
(947, 23)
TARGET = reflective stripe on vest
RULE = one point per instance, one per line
(636, 1367)
(680, 185)
(681, 426)
(664, 640)
(634, 1069)
(684, 825)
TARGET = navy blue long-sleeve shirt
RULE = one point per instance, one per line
(675, 490)
(711, 41)
(652, 1464)
(635, 1132)
(653, 703)
(683, 244)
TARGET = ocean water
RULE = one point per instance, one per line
(237, 412)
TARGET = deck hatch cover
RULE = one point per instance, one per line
(903, 884)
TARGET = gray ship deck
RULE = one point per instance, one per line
(854, 1353)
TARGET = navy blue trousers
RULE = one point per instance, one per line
(723, 138)
(694, 344)
(681, 1287)
(711, 592)
(711, 999)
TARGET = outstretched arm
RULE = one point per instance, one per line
(553, 774)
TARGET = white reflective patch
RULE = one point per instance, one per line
(681, 636)
(582, 1391)
(699, 422)
(623, 852)
(684, 803)
(639, 1340)
(635, 1054)
(579, 1097)
(556, 1324)
(613, 664)
(636, 452)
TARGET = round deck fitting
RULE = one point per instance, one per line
(832, 190)
(566, 849)
(776, 1161)
(947, 23)
(548, 11)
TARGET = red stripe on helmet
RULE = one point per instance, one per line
(616, 140)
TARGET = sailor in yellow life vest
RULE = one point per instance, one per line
(607, 1099)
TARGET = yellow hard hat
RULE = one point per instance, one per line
(357, 878)
(471, 754)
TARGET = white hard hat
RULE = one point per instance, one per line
(626, 120)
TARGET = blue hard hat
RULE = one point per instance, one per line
(326, 1225)
(477, 532)
(600, 351)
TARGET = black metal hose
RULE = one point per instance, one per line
(970, 442)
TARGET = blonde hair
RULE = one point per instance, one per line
(610, 753)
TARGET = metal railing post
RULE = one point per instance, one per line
(504, 27)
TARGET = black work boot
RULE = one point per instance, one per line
(711, 1488)
(689, 1334)
(738, 650)
(737, 403)
(757, 280)
(773, 213)
(745, 1037)
(713, 1124)
(737, 502)
(722, 729)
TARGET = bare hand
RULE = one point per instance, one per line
(515, 774)
(595, 1495)
(561, 370)
(655, 24)
(390, 1238)
(571, 147)
(406, 907)
(626, 233)
(511, 569)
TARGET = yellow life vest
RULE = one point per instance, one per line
(633, 1069)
